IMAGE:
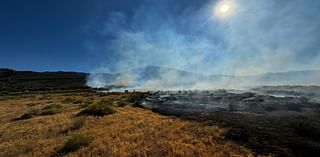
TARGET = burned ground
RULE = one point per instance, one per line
(284, 126)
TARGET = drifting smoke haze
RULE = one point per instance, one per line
(257, 36)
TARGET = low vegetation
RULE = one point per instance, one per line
(25, 116)
(50, 109)
(136, 98)
(130, 131)
(73, 143)
(72, 101)
(47, 110)
(101, 108)
(77, 124)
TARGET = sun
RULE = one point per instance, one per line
(224, 8)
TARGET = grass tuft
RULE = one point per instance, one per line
(47, 110)
(77, 124)
(75, 142)
(51, 109)
(101, 108)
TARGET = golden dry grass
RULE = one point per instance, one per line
(128, 132)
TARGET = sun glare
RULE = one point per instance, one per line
(224, 8)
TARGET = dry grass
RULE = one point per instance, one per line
(101, 108)
(128, 132)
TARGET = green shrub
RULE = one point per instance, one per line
(101, 108)
(51, 109)
(136, 98)
(75, 142)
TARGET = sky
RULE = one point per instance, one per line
(249, 37)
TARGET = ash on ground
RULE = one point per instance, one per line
(282, 120)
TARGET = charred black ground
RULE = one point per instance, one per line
(283, 120)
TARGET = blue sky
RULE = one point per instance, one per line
(49, 35)
(108, 36)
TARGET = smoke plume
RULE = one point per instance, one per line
(258, 36)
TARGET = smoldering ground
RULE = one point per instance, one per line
(277, 120)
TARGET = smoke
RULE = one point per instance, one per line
(275, 36)
(258, 36)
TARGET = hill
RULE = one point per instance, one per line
(149, 76)
(17, 81)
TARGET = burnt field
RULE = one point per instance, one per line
(282, 120)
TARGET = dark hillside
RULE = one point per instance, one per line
(17, 81)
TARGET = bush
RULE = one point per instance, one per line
(77, 124)
(121, 103)
(136, 98)
(103, 107)
(75, 142)
(51, 109)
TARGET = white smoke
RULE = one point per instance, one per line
(260, 36)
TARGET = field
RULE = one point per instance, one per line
(88, 123)
(282, 120)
